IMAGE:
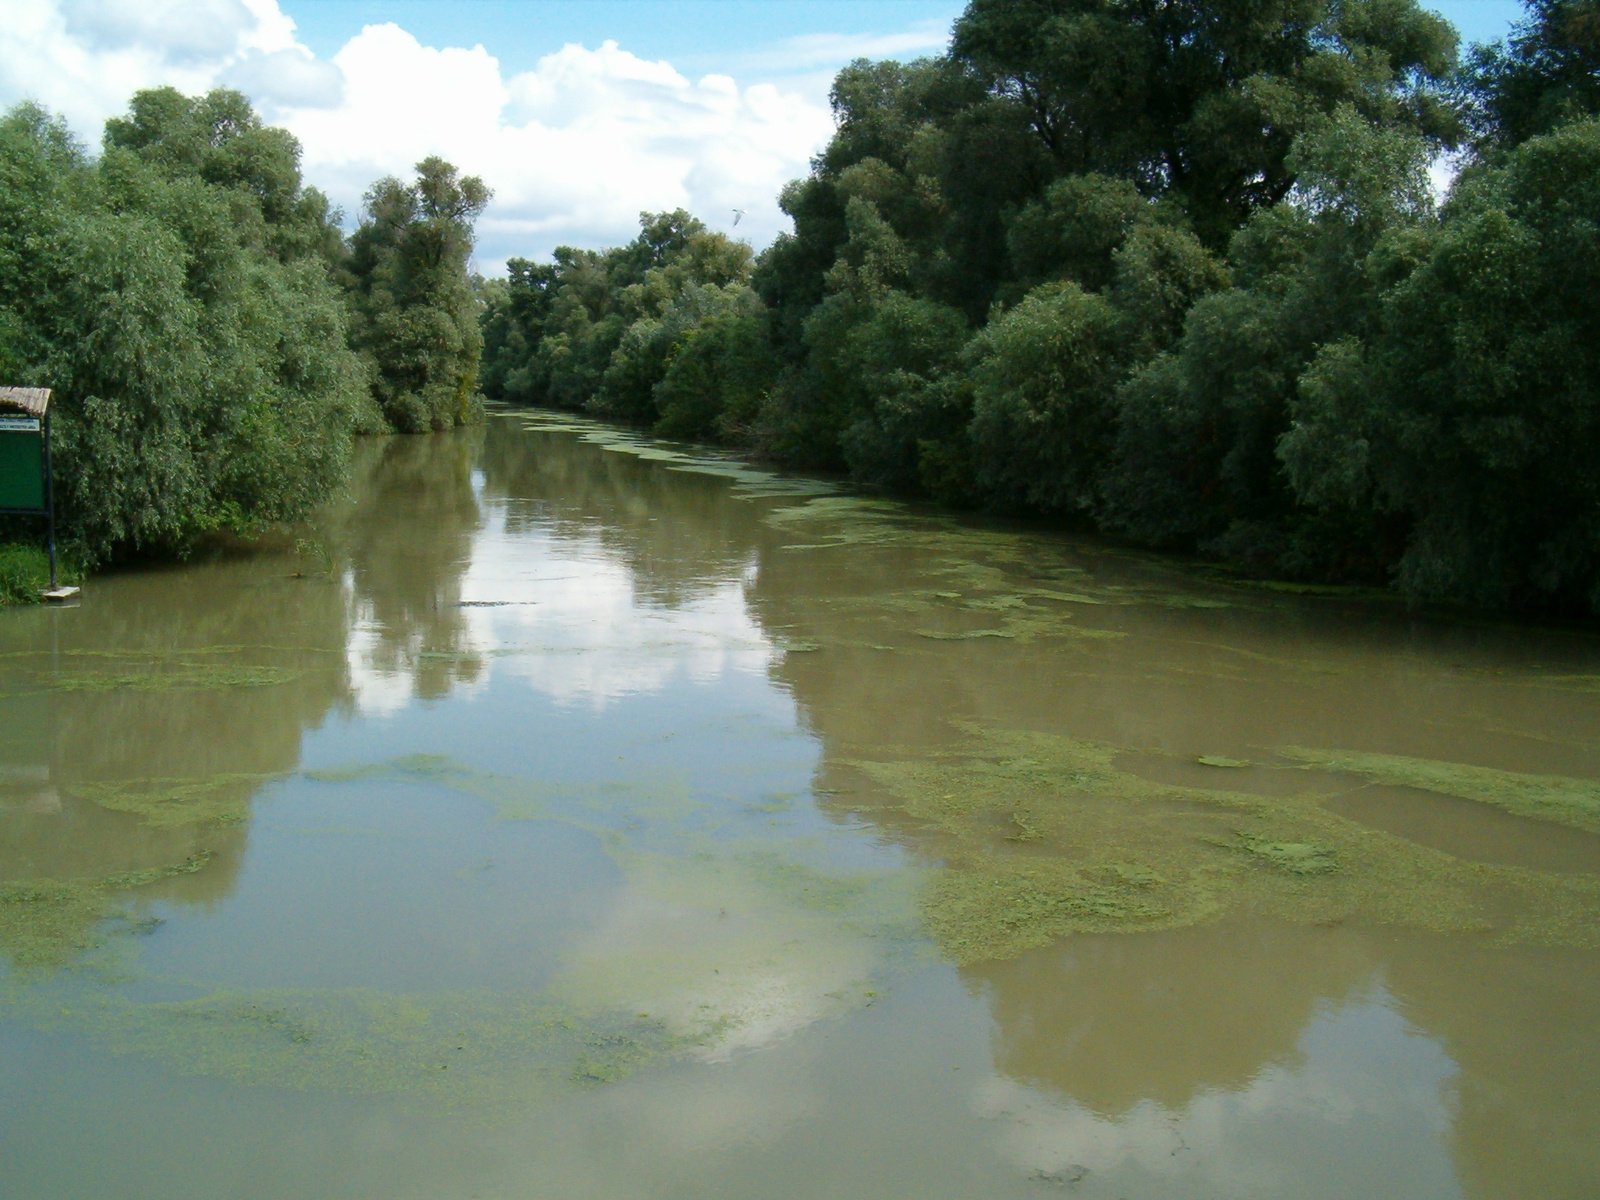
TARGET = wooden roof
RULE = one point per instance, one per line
(33, 401)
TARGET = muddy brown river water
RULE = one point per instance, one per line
(567, 815)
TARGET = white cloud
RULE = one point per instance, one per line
(584, 637)
(85, 65)
(178, 30)
(1365, 1095)
(574, 148)
(289, 78)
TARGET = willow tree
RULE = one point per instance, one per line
(177, 295)
(418, 314)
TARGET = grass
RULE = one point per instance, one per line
(25, 572)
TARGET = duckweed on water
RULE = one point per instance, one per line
(1565, 683)
(727, 939)
(1108, 851)
(1035, 622)
(515, 797)
(987, 566)
(188, 669)
(188, 677)
(736, 943)
(45, 922)
(990, 907)
(416, 765)
(1064, 597)
(1290, 588)
(446, 1046)
(168, 803)
(749, 482)
(1574, 802)
(1297, 858)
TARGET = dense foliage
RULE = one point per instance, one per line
(417, 322)
(1548, 75)
(1172, 270)
(664, 331)
(198, 314)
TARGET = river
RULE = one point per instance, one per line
(567, 815)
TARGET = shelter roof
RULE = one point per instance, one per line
(33, 401)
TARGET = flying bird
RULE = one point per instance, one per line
(737, 213)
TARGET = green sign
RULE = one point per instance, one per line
(21, 463)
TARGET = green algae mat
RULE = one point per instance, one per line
(1040, 836)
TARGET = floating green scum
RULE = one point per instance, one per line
(1038, 836)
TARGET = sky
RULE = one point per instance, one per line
(579, 114)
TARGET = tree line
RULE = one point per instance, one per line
(1174, 271)
(212, 338)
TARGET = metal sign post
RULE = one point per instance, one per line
(26, 484)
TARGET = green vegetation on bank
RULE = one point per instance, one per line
(25, 573)
(1176, 272)
(212, 339)
(665, 331)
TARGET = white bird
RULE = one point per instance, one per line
(737, 213)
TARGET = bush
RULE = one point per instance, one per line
(718, 375)
(177, 296)
(1043, 379)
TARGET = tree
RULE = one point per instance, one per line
(602, 331)
(1473, 409)
(1202, 100)
(1196, 464)
(1043, 379)
(176, 295)
(418, 313)
(1547, 75)
(717, 373)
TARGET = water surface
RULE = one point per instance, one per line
(567, 815)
